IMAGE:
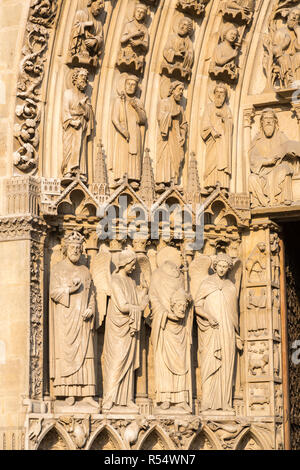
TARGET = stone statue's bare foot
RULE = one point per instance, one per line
(107, 406)
(185, 406)
(131, 404)
(91, 401)
(70, 401)
(165, 406)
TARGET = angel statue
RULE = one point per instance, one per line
(216, 304)
(126, 303)
(171, 336)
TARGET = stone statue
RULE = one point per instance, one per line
(171, 338)
(286, 49)
(217, 128)
(78, 125)
(270, 182)
(178, 52)
(128, 117)
(72, 314)
(216, 305)
(122, 334)
(256, 264)
(223, 63)
(135, 41)
(87, 34)
(172, 137)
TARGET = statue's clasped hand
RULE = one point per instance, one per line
(76, 284)
(88, 314)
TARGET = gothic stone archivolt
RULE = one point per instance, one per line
(172, 339)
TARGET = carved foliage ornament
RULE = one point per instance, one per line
(32, 69)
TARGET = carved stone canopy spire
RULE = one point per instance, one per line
(192, 191)
(147, 188)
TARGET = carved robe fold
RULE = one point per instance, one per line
(71, 338)
(219, 150)
(271, 178)
(85, 27)
(122, 341)
(218, 345)
(76, 106)
(127, 155)
(179, 53)
(173, 128)
(171, 341)
(130, 53)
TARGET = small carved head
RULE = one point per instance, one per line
(293, 17)
(262, 247)
(176, 89)
(268, 122)
(131, 84)
(140, 12)
(179, 303)
(220, 95)
(185, 27)
(126, 260)
(80, 79)
(230, 33)
(73, 244)
(221, 264)
(97, 6)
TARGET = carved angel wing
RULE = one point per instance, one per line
(235, 274)
(142, 275)
(101, 272)
(198, 271)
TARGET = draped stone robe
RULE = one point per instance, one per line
(271, 178)
(171, 341)
(76, 105)
(85, 26)
(71, 338)
(219, 150)
(173, 126)
(218, 345)
(122, 341)
(127, 155)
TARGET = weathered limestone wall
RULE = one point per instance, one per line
(14, 278)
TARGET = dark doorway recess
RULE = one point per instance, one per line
(291, 237)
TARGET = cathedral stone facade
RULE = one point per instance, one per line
(149, 224)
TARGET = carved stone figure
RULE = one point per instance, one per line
(135, 41)
(286, 50)
(87, 34)
(223, 65)
(275, 259)
(128, 117)
(78, 125)
(256, 318)
(72, 314)
(179, 52)
(172, 137)
(122, 331)
(270, 182)
(258, 358)
(216, 304)
(217, 128)
(171, 338)
(256, 264)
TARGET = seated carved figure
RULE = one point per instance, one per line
(178, 52)
(87, 34)
(270, 182)
(286, 50)
(226, 52)
(135, 41)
